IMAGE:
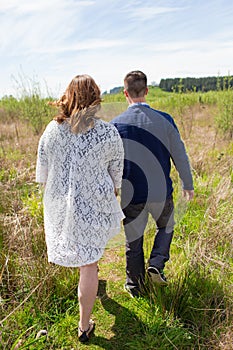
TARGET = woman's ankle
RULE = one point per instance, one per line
(83, 326)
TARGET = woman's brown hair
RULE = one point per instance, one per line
(79, 104)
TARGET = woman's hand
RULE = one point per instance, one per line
(116, 191)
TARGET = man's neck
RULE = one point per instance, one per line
(139, 100)
(136, 100)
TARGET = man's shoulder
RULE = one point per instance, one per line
(144, 116)
(160, 113)
(164, 116)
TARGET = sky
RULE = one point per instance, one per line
(50, 41)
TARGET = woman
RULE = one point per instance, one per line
(80, 161)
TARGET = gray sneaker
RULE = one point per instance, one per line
(157, 276)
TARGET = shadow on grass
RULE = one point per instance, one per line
(127, 327)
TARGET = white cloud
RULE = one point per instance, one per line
(38, 26)
(29, 7)
(144, 13)
(57, 39)
(93, 44)
(16, 8)
(201, 46)
(46, 27)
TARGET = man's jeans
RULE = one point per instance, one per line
(136, 218)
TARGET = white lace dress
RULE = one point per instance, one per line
(81, 211)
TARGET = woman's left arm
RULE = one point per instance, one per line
(42, 162)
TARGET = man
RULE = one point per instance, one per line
(151, 140)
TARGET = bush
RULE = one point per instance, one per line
(224, 119)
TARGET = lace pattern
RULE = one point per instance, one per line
(81, 212)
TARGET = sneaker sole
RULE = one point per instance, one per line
(131, 294)
(155, 278)
(127, 291)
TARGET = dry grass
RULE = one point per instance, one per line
(24, 270)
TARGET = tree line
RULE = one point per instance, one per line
(196, 84)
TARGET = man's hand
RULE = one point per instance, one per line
(188, 194)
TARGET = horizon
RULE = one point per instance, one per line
(50, 43)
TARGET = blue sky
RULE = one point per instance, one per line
(51, 41)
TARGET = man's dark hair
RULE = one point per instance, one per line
(135, 83)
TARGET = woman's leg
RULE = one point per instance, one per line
(87, 291)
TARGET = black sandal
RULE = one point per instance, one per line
(84, 336)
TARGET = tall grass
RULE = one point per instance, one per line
(30, 106)
(39, 307)
(224, 117)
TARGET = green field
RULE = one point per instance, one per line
(194, 312)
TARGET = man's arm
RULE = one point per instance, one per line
(181, 162)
